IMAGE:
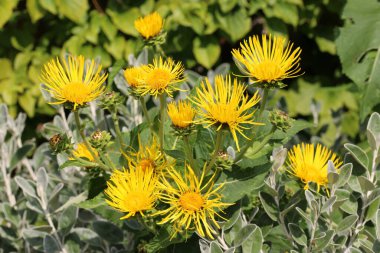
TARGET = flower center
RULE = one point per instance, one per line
(137, 201)
(77, 92)
(225, 114)
(146, 164)
(191, 201)
(158, 79)
(268, 71)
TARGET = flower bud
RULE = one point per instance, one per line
(59, 143)
(280, 120)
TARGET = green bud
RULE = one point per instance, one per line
(111, 100)
(59, 143)
(280, 120)
(100, 139)
(224, 161)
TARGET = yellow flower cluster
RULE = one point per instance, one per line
(188, 200)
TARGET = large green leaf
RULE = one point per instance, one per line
(206, 50)
(6, 9)
(360, 56)
(73, 10)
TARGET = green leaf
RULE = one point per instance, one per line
(297, 234)
(347, 223)
(242, 182)
(67, 219)
(254, 243)
(358, 153)
(51, 244)
(6, 10)
(73, 201)
(231, 221)
(34, 9)
(244, 234)
(215, 248)
(365, 185)
(345, 174)
(70, 163)
(323, 241)
(49, 5)
(361, 58)
(76, 11)
(378, 223)
(20, 154)
(26, 187)
(328, 204)
(87, 235)
(161, 240)
(268, 204)
(236, 24)
(206, 50)
(124, 19)
(373, 130)
(108, 231)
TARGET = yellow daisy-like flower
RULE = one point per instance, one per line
(82, 152)
(147, 158)
(132, 191)
(134, 75)
(192, 202)
(73, 80)
(150, 25)
(310, 164)
(181, 113)
(269, 61)
(225, 105)
(161, 77)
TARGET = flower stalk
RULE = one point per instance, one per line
(218, 144)
(162, 120)
(88, 146)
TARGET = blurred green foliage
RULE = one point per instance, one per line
(202, 34)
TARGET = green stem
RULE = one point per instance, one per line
(145, 224)
(162, 120)
(160, 51)
(218, 144)
(117, 128)
(258, 148)
(189, 154)
(263, 102)
(146, 114)
(88, 146)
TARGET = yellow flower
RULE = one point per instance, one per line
(134, 75)
(192, 202)
(269, 61)
(181, 113)
(147, 158)
(161, 77)
(132, 191)
(310, 164)
(225, 106)
(73, 80)
(82, 152)
(150, 25)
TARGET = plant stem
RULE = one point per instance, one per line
(258, 148)
(263, 101)
(146, 225)
(162, 120)
(117, 128)
(88, 146)
(146, 114)
(189, 154)
(218, 143)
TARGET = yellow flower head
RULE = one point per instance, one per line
(150, 25)
(192, 202)
(269, 61)
(161, 77)
(73, 80)
(310, 164)
(134, 75)
(147, 158)
(225, 105)
(132, 191)
(181, 113)
(82, 152)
